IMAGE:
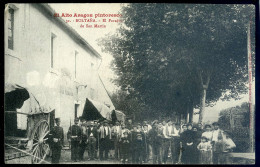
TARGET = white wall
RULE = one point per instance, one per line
(30, 63)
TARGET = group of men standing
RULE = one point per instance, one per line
(135, 143)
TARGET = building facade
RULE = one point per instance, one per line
(47, 56)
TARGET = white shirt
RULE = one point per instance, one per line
(149, 127)
(117, 129)
(91, 134)
(169, 130)
(215, 135)
(164, 131)
(229, 144)
(176, 132)
(106, 129)
(208, 135)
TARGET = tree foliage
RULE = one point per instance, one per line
(165, 53)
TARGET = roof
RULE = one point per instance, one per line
(49, 11)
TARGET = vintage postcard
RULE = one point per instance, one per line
(126, 83)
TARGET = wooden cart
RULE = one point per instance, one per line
(39, 118)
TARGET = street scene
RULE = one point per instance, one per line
(129, 83)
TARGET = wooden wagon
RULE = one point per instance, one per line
(34, 139)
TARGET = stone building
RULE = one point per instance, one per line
(49, 58)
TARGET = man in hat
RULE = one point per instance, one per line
(74, 135)
(167, 130)
(82, 145)
(217, 142)
(132, 147)
(229, 145)
(138, 143)
(146, 144)
(95, 123)
(145, 123)
(105, 136)
(129, 124)
(175, 142)
(200, 128)
(92, 140)
(154, 138)
(116, 131)
(57, 141)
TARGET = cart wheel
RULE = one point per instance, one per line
(40, 147)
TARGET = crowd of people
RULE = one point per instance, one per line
(157, 142)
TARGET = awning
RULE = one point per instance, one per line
(120, 115)
(18, 97)
(15, 95)
(94, 110)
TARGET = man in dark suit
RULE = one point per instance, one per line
(105, 136)
(92, 140)
(57, 141)
(74, 134)
(82, 145)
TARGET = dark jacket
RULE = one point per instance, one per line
(154, 137)
(93, 131)
(74, 130)
(138, 139)
(188, 136)
(57, 132)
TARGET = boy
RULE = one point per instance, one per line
(137, 137)
(125, 144)
(205, 150)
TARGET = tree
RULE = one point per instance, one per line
(169, 56)
(128, 104)
(229, 120)
(219, 54)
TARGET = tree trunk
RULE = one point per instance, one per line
(187, 117)
(191, 113)
(203, 97)
(203, 102)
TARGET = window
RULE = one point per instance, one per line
(53, 49)
(75, 65)
(11, 28)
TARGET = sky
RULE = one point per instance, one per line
(92, 34)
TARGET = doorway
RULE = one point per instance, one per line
(76, 110)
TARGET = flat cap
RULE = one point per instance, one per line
(207, 126)
(184, 125)
(57, 119)
(189, 124)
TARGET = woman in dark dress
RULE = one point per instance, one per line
(188, 140)
(197, 138)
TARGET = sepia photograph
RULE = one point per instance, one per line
(129, 83)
